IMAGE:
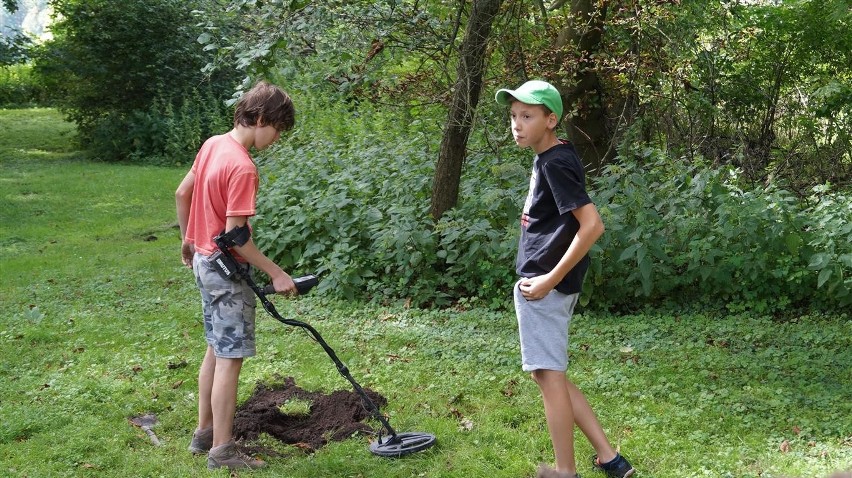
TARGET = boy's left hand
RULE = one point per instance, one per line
(535, 288)
(187, 250)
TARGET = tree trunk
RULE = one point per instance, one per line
(765, 141)
(582, 93)
(445, 185)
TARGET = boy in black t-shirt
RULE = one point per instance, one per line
(558, 227)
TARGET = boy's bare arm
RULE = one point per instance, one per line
(183, 202)
(282, 281)
(591, 228)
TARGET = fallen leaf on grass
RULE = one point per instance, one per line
(509, 390)
(177, 365)
(394, 357)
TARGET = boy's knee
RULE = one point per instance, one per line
(541, 376)
(549, 378)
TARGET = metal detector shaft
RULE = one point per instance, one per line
(341, 367)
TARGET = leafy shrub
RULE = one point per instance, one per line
(164, 134)
(350, 201)
(830, 241)
(20, 88)
(172, 134)
(682, 233)
(347, 196)
(114, 67)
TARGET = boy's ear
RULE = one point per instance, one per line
(552, 121)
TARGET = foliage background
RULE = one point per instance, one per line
(724, 178)
(129, 76)
(356, 211)
(726, 183)
(726, 186)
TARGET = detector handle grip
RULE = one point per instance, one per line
(303, 284)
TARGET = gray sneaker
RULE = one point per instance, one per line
(201, 442)
(228, 455)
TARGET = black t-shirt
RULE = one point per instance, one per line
(557, 187)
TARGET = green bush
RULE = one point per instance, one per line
(129, 75)
(168, 134)
(164, 134)
(347, 196)
(20, 88)
(685, 233)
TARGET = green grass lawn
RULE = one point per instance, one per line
(100, 323)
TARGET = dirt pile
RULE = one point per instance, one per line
(333, 417)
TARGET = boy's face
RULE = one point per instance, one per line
(532, 126)
(264, 136)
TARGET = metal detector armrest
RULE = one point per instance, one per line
(223, 261)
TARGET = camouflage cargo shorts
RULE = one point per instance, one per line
(228, 308)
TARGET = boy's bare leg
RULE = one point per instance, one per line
(559, 413)
(588, 423)
(223, 399)
(205, 389)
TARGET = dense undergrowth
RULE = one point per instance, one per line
(347, 196)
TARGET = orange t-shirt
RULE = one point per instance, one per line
(226, 184)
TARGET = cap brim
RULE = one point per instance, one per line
(505, 97)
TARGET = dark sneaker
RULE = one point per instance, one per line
(201, 442)
(227, 455)
(618, 467)
(545, 471)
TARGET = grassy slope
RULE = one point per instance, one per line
(100, 323)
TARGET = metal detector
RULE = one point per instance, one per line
(394, 445)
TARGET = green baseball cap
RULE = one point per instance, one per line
(533, 92)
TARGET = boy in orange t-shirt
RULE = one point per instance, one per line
(219, 194)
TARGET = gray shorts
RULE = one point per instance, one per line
(228, 308)
(543, 327)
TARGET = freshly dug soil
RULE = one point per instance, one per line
(336, 416)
